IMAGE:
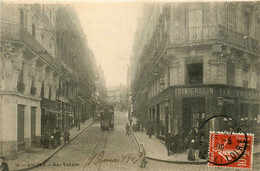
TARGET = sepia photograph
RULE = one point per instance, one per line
(132, 85)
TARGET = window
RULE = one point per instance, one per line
(247, 23)
(245, 78)
(33, 30)
(230, 72)
(20, 126)
(195, 73)
(33, 89)
(195, 24)
(42, 90)
(50, 93)
(231, 16)
(20, 82)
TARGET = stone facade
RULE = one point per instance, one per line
(192, 55)
(31, 70)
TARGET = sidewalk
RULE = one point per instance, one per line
(37, 156)
(156, 150)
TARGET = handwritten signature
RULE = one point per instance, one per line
(99, 158)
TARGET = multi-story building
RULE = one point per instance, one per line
(36, 74)
(116, 96)
(192, 61)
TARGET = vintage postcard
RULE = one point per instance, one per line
(129, 85)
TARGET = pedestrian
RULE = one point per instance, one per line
(174, 143)
(58, 136)
(66, 136)
(127, 127)
(143, 158)
(130, 121)
(191, 154)
(53, 138)
(46, 139)
(3, 164)
(169, 143)
(203, 147)
(150, 130)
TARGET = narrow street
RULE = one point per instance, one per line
(86, 151)
(92, 142)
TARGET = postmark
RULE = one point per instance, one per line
(229, 147)
(232, 150)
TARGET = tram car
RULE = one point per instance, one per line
(107, 118)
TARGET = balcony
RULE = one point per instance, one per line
(16, 32)
(20, 87)
(33, 90)
(212, 34)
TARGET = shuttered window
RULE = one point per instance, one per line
(20, 126)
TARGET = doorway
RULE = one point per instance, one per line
(193, 113)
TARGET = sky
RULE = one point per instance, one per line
(109, 29)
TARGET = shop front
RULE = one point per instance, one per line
(50, 115)
(178, 110)
(193, 105)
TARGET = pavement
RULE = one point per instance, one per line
(156, 150)
(38, 156)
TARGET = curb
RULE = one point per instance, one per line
(172, 161)
(168, 161)
(57, 150)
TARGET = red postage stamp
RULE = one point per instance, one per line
(233, 150)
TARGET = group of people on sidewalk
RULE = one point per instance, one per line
(196, 142)
(53, 138)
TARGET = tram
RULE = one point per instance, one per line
(107, 117)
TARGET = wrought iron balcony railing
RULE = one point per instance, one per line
(20, 87)
(215, 33)
(17, 32)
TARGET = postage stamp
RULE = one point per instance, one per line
(232, 150)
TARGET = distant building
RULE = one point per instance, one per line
(191, 61)
(116, 96)
(101, 92)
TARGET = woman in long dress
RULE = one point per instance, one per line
(191, 155)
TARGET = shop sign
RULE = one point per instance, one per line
(193, 91)
(238, 93)
(49, 104)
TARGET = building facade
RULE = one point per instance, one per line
(101, 92)
(35, 77)
(116, 96)
(192, 61)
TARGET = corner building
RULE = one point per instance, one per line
(192, 61)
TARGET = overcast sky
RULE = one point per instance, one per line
(109, 29)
